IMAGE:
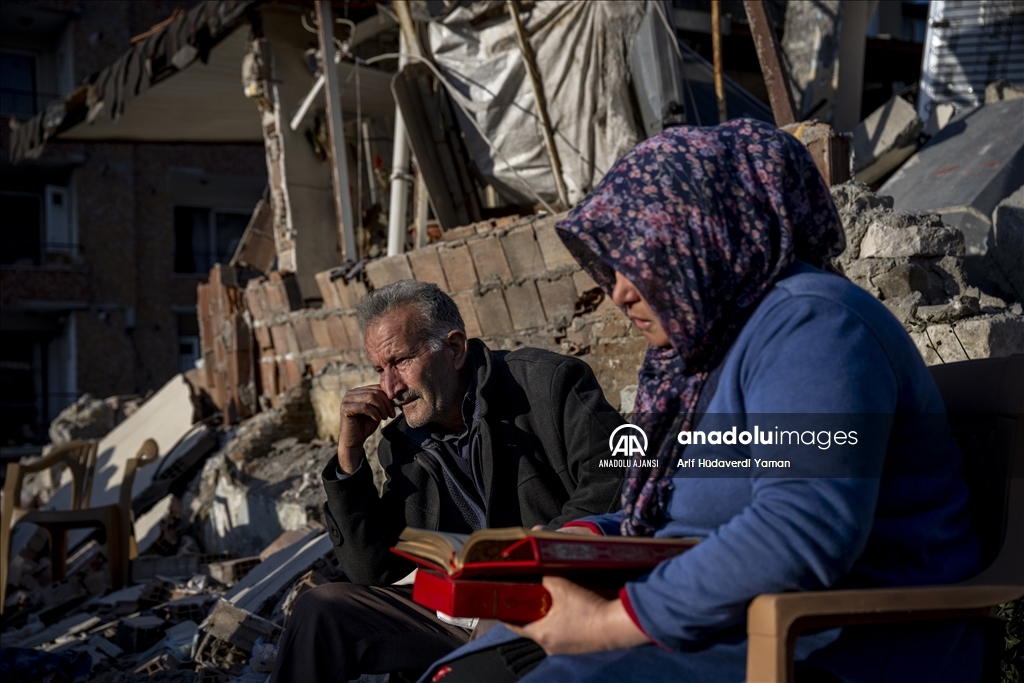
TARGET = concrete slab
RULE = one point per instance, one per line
(965, 171)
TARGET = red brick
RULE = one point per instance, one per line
(268, 378)
(458, 268)
(426, 267)
(350, 292)
(459, 233)
(203, 297)
(524, 306)
(492, 314)
(355, 336)
(284, 339)
(489, 259)
(274, 295)
(317, 365)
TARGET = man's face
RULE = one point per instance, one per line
(425, 383)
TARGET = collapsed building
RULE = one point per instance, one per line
(228, 520)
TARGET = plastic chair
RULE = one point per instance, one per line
(116, 519)
(985, 403)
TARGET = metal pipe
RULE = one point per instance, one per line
(339, 167)
(538, 95)
(716, 51)
(401, 180)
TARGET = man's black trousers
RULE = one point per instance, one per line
(339, 631)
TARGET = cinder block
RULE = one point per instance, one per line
(263, 338)
(284, 339)
(458, 268)
(583, 282)
(268, 377)
(524, 306)
(350, 292)
(464, 300)
(522, 252)
(321, 334)
(555, 253)
(337, 333)
(426, 267)
(303, 334)
(327, 290)
(492, 314)
(459, 233)
(203, 297)
(559, 299)
(384, 271)
(489, 259)
(355, 336)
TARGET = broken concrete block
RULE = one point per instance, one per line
(583, 282)
(907, 277)
(1006, 241)
(556, 256)
(1000, 90)
(558, 298)
(978, 337)
(459, 271)
(265, 584)
(426, 266)
(965, 170)
(883, 240)
(230, 572)
(524, 306)
(885, 139)
(492, 313)
(135, 634)
(87, 418)
(523, 252)
(489, 260)
(229, 635)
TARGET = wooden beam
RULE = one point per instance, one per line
(716, 52)
(538, 96)
(339, 160)
(769, 54)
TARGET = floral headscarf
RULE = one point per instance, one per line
(703, 221)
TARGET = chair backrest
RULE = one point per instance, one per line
(985, 403)
(147, 454)
(78, 456)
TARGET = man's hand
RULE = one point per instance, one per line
(581, 621)
(362, 410)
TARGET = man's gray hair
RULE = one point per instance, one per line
(440, 314)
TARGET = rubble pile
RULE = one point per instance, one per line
(914, 264)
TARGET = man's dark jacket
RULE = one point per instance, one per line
(543, 425)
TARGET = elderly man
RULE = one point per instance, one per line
(484, 439)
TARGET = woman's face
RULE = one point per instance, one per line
(627, 296)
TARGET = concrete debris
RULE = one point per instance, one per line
(885, 139)
(915, 264)
(1000, 90)
(92, 418)
(963, 172)
(1006, 243)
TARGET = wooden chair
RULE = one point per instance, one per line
(985, 402)
(116, 520)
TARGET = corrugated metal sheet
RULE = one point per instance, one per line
(969, 44)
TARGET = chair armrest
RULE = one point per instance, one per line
(54, 457)
(775, 620)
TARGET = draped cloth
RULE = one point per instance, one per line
(702, 221)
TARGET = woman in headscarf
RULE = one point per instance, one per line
(717, 244)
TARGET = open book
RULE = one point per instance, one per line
(495, 573)
(515, 550)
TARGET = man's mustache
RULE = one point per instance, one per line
(404, 397)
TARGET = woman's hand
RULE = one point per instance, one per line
(581, 621)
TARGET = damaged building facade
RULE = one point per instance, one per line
(223, 270)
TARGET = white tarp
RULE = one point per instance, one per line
(582, 49)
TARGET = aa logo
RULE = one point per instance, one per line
(626, 441)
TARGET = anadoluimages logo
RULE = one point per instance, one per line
(625, 441)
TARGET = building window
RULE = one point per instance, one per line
(188, 342)
(18, 85)
(203, 237)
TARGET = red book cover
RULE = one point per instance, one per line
(505, 600)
